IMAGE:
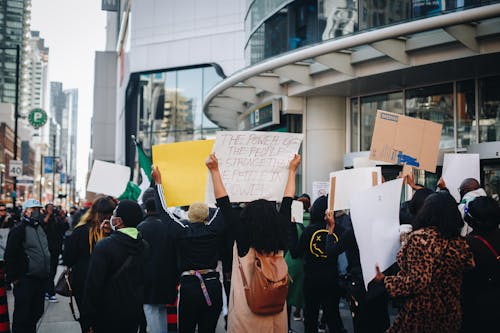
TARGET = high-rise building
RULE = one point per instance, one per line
(72, 130)
(37, 61)
(14, 30)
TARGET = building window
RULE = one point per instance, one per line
(354, 124)
(434, 103)
(489, 109)
(337, 18)
(392, 102)
(466, 113)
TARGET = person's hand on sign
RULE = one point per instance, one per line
(294, 163)
(441, 184)
(156, 175)
(379, 276)
(212, 163)
(410, 180)
(330, 220)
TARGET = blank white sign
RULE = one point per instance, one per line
(108, 178)
(456, 168)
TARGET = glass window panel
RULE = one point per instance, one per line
(337, 18)
(466, 114)
(303, 23)
(434, 103)
(392, 102)
(376, 13)
(354, 125)
(275, 34)
(489, 109)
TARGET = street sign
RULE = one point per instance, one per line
(15, 168)
(37, 117)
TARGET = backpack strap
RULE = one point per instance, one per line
(489, 246)
(122, 267)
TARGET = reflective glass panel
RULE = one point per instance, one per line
(434, 103)
(337, 18)
(489, 109)
(354, 125)
(466, 114)
(369, 105)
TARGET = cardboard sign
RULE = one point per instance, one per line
(398, 139)
(108, 178)
(319, 189)
(298, 211)
(456, 168)
(183, 170)
(375, 219)
(345, 184)
(254, 165)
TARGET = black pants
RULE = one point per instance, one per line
(193, 308)
(321, 291)
(370, 315)
(28, 304)
(54, 262)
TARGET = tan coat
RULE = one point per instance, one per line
(240, 318)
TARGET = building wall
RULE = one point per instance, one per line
(172, 33)
(103, 120)
(325, 134)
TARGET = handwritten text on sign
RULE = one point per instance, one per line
(254, 165)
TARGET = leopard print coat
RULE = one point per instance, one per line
(429, 280)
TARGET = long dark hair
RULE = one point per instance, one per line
(440, 210)
(266, 228)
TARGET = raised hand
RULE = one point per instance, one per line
(212, 163)
(156, 175)
(294, 163)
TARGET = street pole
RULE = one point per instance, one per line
(54, 168)
(41, 175)
(16, 116)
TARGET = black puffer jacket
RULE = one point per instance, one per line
(114, 289)
(160, 274)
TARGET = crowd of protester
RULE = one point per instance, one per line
(128, 261)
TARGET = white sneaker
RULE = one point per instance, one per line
(53, 299)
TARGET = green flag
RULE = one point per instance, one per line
(144, 161)
(132, 192)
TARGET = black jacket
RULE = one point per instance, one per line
(77, 256)
(160, 275)
(114, 288)
(26, 252)
(55, 229)
(197, 244)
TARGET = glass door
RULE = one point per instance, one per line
(490, 174)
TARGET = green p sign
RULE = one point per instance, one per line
(37, 118)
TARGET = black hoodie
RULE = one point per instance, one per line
(312, 244)
(114, 289)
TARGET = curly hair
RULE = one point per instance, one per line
(440, 210)
(266, 228)
(101, 208)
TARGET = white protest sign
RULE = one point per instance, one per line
(319, 189)
(363, 162)
(298, 211)
(4, 233)
(108, 178)
(456, 168)
(345, 183)
(375, 219)
(254, 165)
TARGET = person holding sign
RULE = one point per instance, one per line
(368, 315)
(197, 247)
(260, 230)
(432, 264)
(320, 270)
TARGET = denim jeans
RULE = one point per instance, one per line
(156, 317)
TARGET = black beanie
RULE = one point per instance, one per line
(318, 209)
(130, 212)
(148, 200)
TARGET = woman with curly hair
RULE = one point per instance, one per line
(78, 247)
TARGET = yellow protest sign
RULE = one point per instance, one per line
(183, 170)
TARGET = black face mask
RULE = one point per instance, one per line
(35, 215)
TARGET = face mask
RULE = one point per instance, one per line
(113, 227)
(35, 215)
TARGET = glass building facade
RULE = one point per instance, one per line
(168, 105)
(277, 26)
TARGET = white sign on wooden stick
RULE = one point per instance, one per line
(254, 165)
(108, 178)
(345, 184)
(375, 219)
(298, 211)
(456, 168)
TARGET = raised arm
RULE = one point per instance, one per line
(213, 166)
(292, 171)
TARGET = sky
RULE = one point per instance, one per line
(73, 30)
